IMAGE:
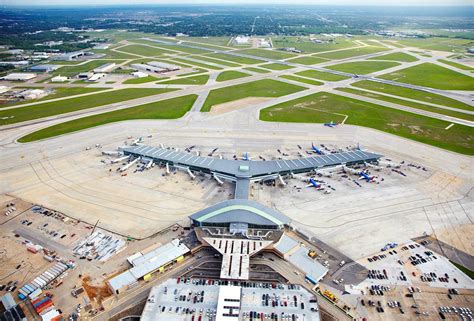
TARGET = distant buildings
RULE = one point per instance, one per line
(241, 40)
(59, 79)
(105, 68)
(263, 43)
(19, 63)
(96, 77)
(101, 46)
(291, 49)
(69, 56)
(139, 74)
(156, 67)
(44, 68)
(16, 76)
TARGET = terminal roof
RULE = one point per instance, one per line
(241, 211)
(249, 169)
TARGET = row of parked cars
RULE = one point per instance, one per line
(255, 316)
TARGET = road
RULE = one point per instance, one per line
(286, 270)
(115, 304)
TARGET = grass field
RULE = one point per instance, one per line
(260, 88)
(324, 107)
(216, 61)
(58, 92)
(303, 80)
(438, 43)
(465, 270)
(412, 94)
(195, 63)
(354, 52)
(434, 76)
(70, 71)
(321, 75)
(255, 69)
(236, 59)
(307, 46)
(165, 109)
(195, 72)
(218, 41)
(229, 75)
(276, 66)
(271, 54)
(457, 65)
(169, 47)
(307, 60)
(363, 67)
(147, 51)
(408, 103)
(141, 80)
(194, 80)
(47, 109)
(109, 54)
(397, 56)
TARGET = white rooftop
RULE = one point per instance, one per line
(228, 303)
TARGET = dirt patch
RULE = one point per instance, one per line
(237, 104)
(95, 292)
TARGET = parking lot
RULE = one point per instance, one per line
(196, 299)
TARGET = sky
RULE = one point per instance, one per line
(304, 2)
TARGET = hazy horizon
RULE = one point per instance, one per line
(400, 3)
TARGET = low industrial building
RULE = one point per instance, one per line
(59, 79)
(105, 68)
(145, 264)
(164, 66)
(139, 74)
(17, 76)
(16, 63)
(156, 67)
(96, 77)
(241, 40)
(298, 255)
(44, 68)
(84, 75)
(70, 56)
(101, 46)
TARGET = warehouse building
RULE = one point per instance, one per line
(17, 76)
(156, 67)
(69, 56)
(298, 255)
(59, 78)
(145, 264)
(105, 68)
(145, 67)
(44, 68)
(164, 66)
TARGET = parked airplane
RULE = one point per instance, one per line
(313, 183)
(246, 156)
(316, 150)
(138, 140)
(367, 177)
(330, 124)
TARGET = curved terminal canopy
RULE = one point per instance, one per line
(241, 211)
